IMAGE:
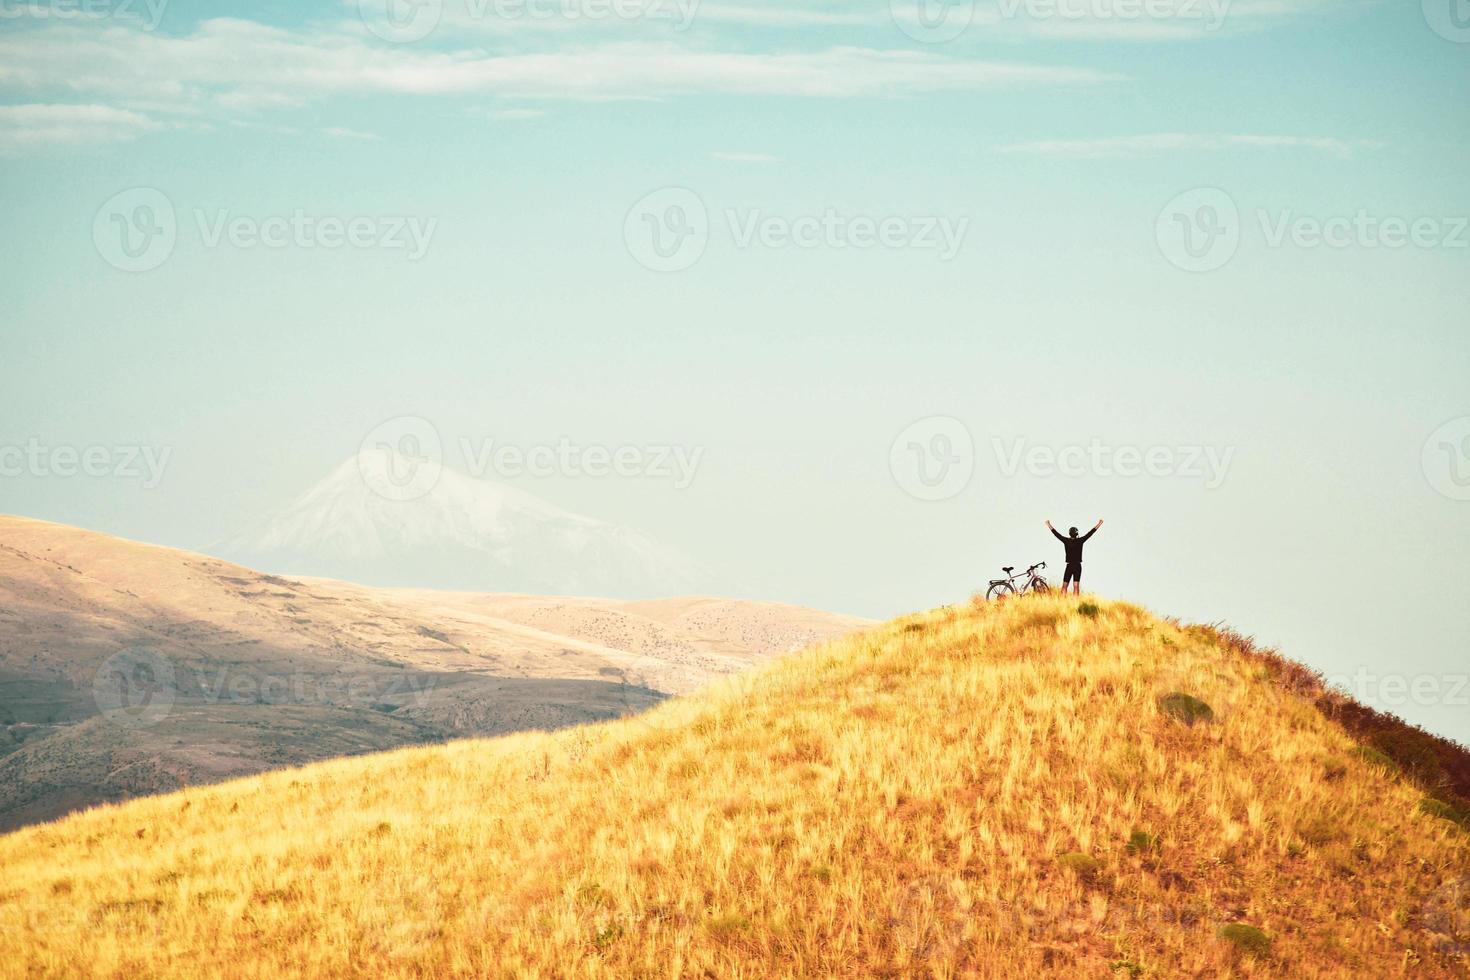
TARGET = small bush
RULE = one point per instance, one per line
(1375, 758)
(1247, 939)
(1319, 831)
(1185, 708)
(1125, 966)
(728, 925)
(1411, 750)
(1088, 609)
(1084, 866)
(1142, 842)
(1457, 815)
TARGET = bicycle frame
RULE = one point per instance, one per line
(1030, 575)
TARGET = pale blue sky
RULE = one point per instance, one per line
(528, 318)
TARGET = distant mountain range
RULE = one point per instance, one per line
(460, 533)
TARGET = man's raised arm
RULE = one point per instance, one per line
(1054, 532)
(1093, 531)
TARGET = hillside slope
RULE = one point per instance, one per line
(128, 669)
(991, 792)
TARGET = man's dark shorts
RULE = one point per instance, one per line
(1073, 573)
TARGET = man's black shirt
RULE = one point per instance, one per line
(1073, 545)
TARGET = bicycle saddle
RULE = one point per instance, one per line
(1008, 569)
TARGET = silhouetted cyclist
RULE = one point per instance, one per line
(1073, 575)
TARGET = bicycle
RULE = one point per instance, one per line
(1002, 587)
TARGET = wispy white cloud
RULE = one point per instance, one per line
(242, 65)
(1022, 20)
(746, 157)
(516, 115)
(343, 133)
(33, 125)
(1157, 143)
(797, 15)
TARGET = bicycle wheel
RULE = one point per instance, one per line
(999, 591)
(1038, 584)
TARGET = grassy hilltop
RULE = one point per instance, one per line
(1041, 785)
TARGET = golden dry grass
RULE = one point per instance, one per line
(952, 794)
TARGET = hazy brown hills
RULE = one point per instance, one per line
(129, 669)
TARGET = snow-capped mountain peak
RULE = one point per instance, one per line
(383, 518)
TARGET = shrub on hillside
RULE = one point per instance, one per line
(1084, 866)
(1247, 939)
(1458, 815)
(1374, 758)
(1185, 708)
